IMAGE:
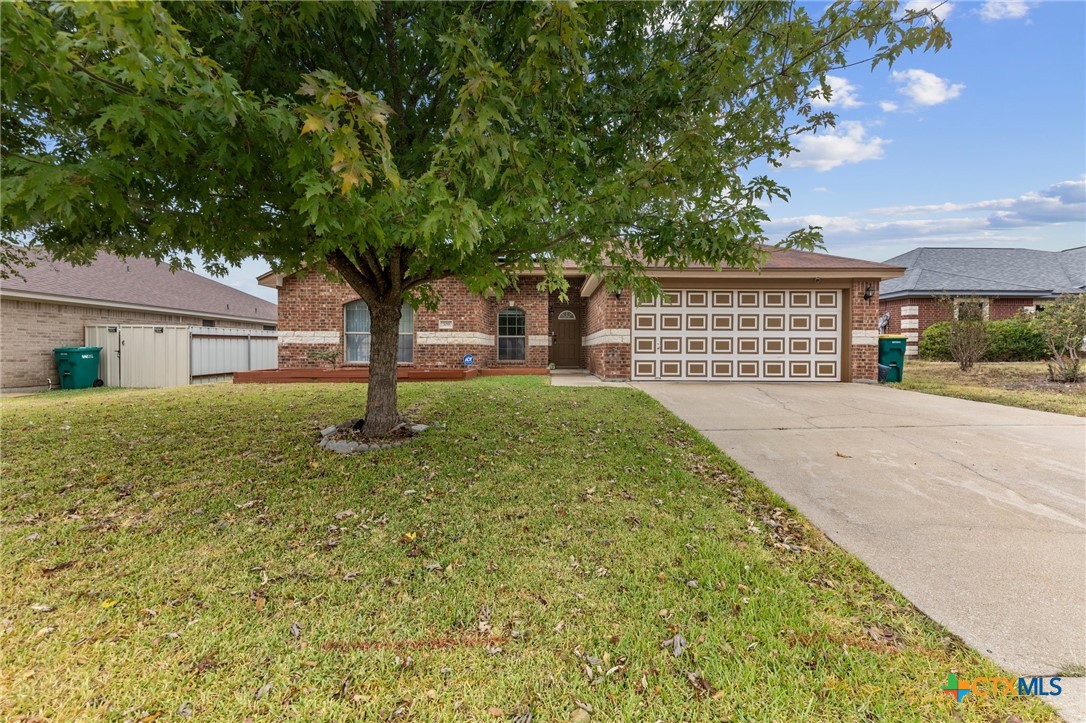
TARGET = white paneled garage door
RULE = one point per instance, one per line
(738, 335)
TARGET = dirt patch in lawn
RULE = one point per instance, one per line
(1020, 384)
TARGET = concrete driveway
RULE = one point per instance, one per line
(975, 512)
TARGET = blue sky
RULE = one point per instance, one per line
(982, 144)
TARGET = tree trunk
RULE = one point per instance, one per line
(382, 415)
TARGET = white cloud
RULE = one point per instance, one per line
(1004, 10)
(820, 189)
(941, 10)
(888, 106)
(842, 95)
(847, 143)
(1062, 202)
(992, 221)
(925, 88)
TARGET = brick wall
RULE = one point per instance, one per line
(864, 326)
(912, 315)
(313, 305)
(609, 360)
(30, 330)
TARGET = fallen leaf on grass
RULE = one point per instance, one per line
(676, 643)
(295, 630)
(185, 710)
(580, 716)
(40, 608)
(702, 687)
(58, 567)
(495, 712)
(260, 603)
(246, 505)
(107, 604)
(263, 691)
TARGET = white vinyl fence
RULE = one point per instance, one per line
(153, 355)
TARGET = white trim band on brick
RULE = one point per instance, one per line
(910, 311)
(308, 337)
(912, 336)
(449, 338)
(864, 337)
(910, 323)
(607, 336)
(539, 340)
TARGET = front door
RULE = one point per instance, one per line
(566, 338)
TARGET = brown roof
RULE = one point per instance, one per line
(139, 282)
(796, 260)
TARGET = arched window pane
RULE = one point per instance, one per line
(356, 327)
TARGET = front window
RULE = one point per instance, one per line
(356, 327)
(512, 339)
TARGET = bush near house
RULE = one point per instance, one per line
(1009, 340)
(1015, 340)
(1063, 325)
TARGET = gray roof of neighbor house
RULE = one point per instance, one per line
(135, 282)
(987, 272)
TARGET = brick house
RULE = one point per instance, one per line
(802, 317)
(53, 301)
(1004, 282)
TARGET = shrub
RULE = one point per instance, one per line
(1009, 340)
(1063, 324)
(935, 342)
(1015, 340)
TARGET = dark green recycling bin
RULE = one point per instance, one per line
(891, 357)
(78, 366)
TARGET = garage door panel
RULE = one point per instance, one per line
(738, 335)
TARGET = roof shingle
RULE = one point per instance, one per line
(988, 271)
(141, 282)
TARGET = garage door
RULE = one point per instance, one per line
(738, 335)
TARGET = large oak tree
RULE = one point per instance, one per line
(396, 144)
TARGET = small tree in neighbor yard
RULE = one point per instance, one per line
(395, 144)
(967, 335)
(1063, 323)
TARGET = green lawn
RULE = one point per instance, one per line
(191, 552)
(1014, 384)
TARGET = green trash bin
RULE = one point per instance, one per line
(78, 366)
(891, 357)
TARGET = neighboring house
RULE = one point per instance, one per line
(53, 301)
(802, 317)
(1003, 282)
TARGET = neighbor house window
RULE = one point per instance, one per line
(356, 327)
(971, 310)
(512, 341)
(207, 322)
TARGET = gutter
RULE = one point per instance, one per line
(72, 301)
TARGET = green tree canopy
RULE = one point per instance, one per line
(400, 143)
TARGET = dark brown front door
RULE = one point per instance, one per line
(566, 338)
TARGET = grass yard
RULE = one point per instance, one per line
(1014, 384)
(551, 554)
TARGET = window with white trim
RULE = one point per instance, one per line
(512, 335)
(973, 309)
(356, 333)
